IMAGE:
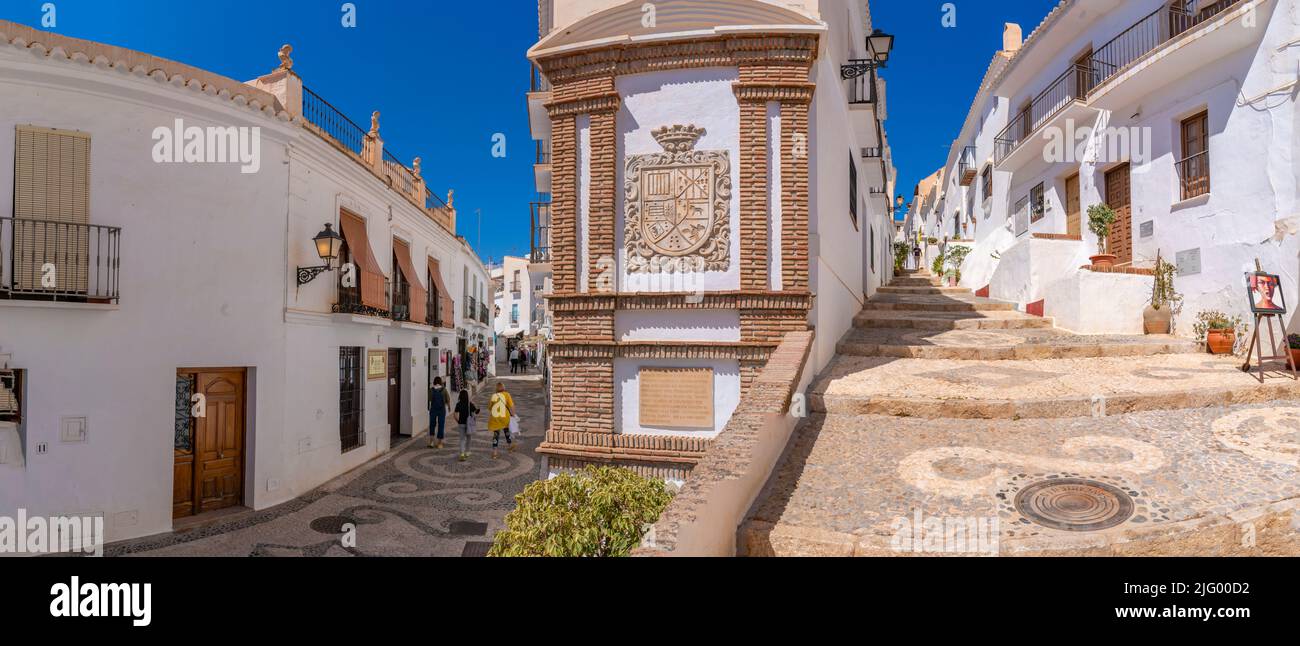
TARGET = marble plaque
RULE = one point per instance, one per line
(677, 397)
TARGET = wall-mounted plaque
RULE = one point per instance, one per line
(1188, 262)
(677, 397)
(377, 364)
(1147, 229)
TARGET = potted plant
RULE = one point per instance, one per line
(1100, 217)
(1218, 331)
(1165, 301)
(901, 251)
(956, 256)
(1293, 345)
(936, 267)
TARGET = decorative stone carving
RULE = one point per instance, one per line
(286, 63)
(678, 205)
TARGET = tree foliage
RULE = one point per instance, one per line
(599, 511)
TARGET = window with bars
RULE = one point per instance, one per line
(352, 397)
(400, 302)
(11, 396)
(1194, 169)
(433, 306)
(1037, 205)
(986, 182)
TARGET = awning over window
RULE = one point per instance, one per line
(371, 275)
(419, 295)
(444, 297)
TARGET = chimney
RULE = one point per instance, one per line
(1012, 38)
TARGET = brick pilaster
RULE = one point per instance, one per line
(564, 203)
(753, 193)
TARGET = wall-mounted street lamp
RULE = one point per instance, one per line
(879, 45)
(328, 244)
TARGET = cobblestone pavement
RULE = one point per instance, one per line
(414, 501)
(1171, 451)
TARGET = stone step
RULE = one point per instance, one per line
(1043, 388)
(914, 282)
(992, 320)
(1005, 345)
(937, 303)
(922, 290)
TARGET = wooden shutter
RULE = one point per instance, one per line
(445, 303)
(51, 192)
(372, 276)
(419, 295)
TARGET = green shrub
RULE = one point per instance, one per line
(1100, 217)
(901, 251)
(599, 511)
(936, 267)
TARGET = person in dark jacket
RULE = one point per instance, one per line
(465, 414)
(439, 406)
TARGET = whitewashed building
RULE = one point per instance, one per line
(171, 341)
(767, 117)
(1180, 115)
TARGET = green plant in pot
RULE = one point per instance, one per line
(936, 267)
(956, 256)
(1218, 331)
(1165, 300)
(1100, 217)
(901, 251)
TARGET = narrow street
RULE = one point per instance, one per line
(414, 501)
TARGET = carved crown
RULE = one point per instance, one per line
(678, 139)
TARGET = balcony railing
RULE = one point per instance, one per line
(861, 87)
(483, 316)
(543, 153)
(872, 152)
(332, 121)
(541, 232)
(399, 300)
(966, 167)
(471, 308)
(348, 300)
(1161, 26)
(59, 261)
(538, 82)
(1194, 175)
(1071, 86)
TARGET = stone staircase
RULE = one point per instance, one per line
(928, 367)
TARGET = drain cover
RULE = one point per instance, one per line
(1074, 505)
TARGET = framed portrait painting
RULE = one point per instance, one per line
(1265, 292)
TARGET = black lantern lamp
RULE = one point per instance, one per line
(328, 245)
(880, 45)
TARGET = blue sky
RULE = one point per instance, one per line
(447, 76)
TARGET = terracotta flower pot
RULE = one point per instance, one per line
(1220, 341)
(1103, 260)
(1157, 321)
(1295, 356)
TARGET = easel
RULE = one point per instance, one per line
(1255, 341)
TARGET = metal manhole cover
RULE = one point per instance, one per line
(1074, 505)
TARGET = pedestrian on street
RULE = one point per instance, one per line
(514, 360)
(501, 409)
(523, 360)
(439, 406)
(465, 412)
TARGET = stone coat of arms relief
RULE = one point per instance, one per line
(678, 206)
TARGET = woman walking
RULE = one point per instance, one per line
(439, 405)
(502, 408)
(465, 412)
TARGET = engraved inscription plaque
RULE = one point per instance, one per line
(677, 397)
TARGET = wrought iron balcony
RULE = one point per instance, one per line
(861, 77)
(541, 232)
(332, 121)
(348, 301)
(543, 153)
(966, 170)
(1069, 87)
(49, 260)
(1161, 26)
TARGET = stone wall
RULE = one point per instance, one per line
(703, 517)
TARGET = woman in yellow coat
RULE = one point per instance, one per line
(502, 408)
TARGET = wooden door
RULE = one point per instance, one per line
(1119, 198)
(1073, 219)
(208, 473)
(394, 392)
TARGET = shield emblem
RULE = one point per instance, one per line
(677, 208)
